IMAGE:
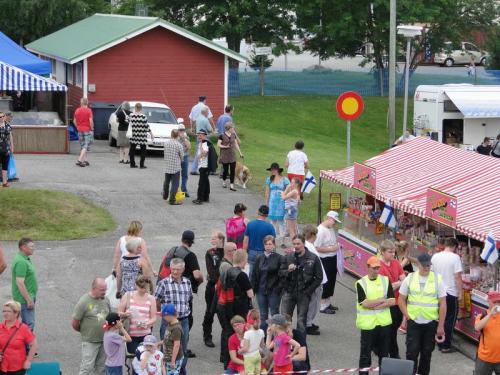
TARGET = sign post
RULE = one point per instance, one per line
(262, 52)
(349, 107)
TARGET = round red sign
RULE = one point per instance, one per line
(350, 105)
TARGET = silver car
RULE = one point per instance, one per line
(161, 120)
(462, 54)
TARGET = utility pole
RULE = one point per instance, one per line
(392, 73)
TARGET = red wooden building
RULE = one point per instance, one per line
(112, 58)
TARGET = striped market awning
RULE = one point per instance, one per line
(405, 172)
(13, 79)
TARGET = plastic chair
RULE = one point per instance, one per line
(45, 368)
(391, 366)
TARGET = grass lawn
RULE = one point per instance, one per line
(269, 127)
(50, 215)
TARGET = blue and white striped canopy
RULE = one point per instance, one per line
(12, 78)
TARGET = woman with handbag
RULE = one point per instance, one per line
(138, 310)
(14, 337)
(122, 115)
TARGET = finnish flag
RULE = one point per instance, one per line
(490, 251)
(309, 183)
(387, 218)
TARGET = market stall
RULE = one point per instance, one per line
(41, 129)
(433, 191)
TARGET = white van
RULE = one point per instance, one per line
(461, 115)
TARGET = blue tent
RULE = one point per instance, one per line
(17, 56)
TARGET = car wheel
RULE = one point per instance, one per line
(448, 63)
(482, 61)
(111, 140)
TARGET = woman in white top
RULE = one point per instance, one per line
(134, 231)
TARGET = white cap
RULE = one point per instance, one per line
(334, 215)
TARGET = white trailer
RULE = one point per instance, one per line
(458, 114)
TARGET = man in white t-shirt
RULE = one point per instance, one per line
(416, 300)
(310, 233)
(297, 162)
(327, 246)
(196, 111)
(449, 265)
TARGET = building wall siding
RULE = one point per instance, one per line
(159, 66)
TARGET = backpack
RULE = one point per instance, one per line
(213, 158)
(225, 286)
(174, 252)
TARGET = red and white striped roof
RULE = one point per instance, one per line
(405, 172)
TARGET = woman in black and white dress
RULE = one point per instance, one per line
(140, 129)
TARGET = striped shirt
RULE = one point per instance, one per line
(140, 128)
(139, 314)
(177, 293)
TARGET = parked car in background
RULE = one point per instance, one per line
(161, 120)
(460, 54)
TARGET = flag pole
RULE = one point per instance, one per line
(319, 198)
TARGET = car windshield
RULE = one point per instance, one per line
(159, 115)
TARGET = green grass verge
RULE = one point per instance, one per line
(50, 215)
(270, 126)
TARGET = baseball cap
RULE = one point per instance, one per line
(202, 131)
(168, 309)
(181, 127)
(424, 259)
(278, 319)
(493, 296)
(373, 261)
(264, 210)
(334, 215)
(150, 340)
(188, 235)
(112, 318)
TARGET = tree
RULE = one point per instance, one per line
(28, 20)
(493, 47)
(259, 21)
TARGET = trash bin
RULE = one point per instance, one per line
(101, 112)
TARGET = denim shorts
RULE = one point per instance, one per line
(292, 213)
(86, 139)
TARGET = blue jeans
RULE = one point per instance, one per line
(268, 303)
(184, 173)
(28, 316)
(115, 370)
(185, 340)
(194, 164)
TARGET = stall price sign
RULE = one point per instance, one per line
(349, 107)
(365, 178)
(441, 207)
(335, 201)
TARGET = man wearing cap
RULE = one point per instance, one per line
(301, 275)
(173, 154)
(327, 247)
(186, 145)
(203, 195)
(375, 296)
(202, 124)
(422, 300)
(488, 353)
(256, 230)
(176, 289)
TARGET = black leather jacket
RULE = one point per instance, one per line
(273, 266)
(304, 279)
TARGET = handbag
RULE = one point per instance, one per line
(8, 342)
(12, 172)
(129, 131)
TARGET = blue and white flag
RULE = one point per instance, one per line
(387, 218)
(490, 251)
(309, 183)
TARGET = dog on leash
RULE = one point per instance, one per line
(242, 175)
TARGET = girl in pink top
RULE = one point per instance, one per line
(279, 341)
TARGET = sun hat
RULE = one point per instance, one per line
(373, 261)
(150, 340)
(168, 309)
(334, 215)
(275, 166)
(424, 259)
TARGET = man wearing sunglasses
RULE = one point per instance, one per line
(375, 296)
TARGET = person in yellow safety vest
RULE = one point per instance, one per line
(422, 300)
(375, 297)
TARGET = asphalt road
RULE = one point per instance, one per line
(66, 268)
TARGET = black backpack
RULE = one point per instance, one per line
(213, 158)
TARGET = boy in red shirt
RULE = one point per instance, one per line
(84, 123)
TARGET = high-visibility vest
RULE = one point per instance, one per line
(368, 319)
(425, 302)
